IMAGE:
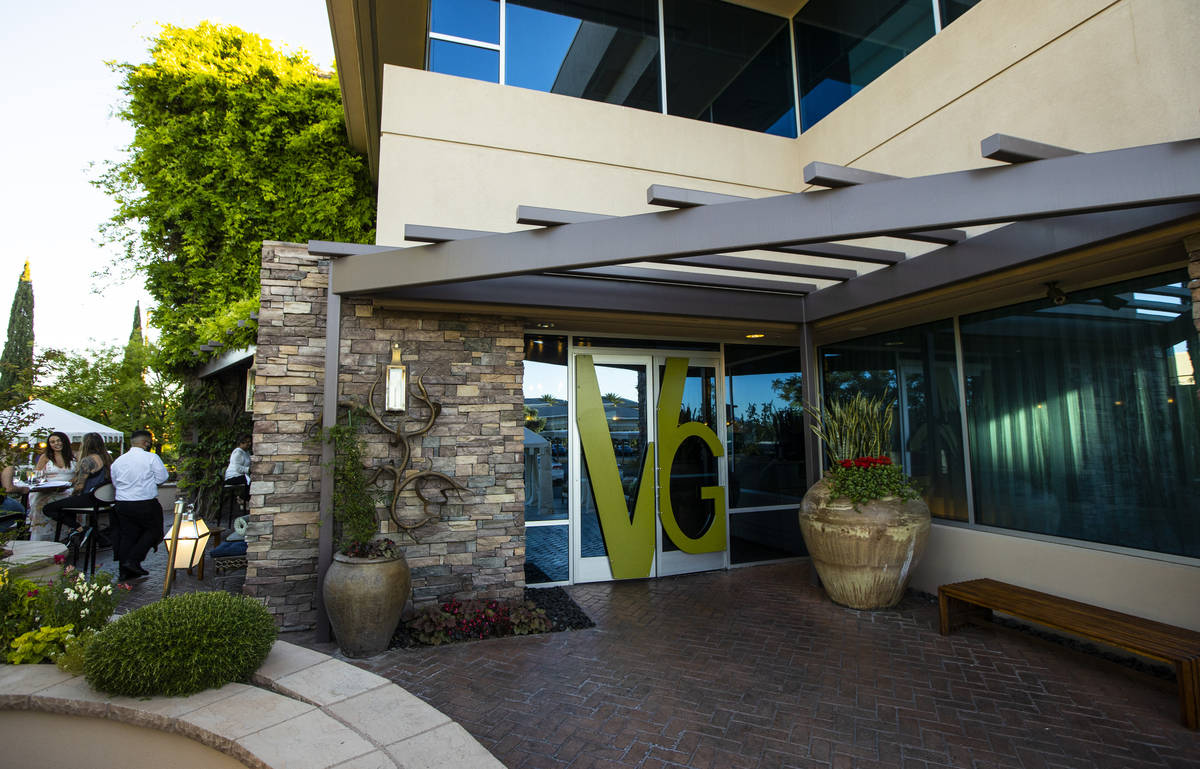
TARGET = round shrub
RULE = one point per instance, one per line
(180, 645)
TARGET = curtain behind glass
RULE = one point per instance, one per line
(1083, 416)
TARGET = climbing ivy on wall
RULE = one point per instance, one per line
(235, 143)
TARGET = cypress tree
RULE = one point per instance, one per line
(16, 363)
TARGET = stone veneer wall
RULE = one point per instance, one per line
(470, 364)
(1192, 245)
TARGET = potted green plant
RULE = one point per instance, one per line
(864, 523)
(368, 582)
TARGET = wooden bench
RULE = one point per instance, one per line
(976, 599)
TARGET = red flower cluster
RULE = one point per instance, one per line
(866, 462)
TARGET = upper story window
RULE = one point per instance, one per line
(704, 59)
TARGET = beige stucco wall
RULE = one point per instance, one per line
(1086, 74)
(1147, 587)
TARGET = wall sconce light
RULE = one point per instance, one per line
(186, 542)
(395, 392)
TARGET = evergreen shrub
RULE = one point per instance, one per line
(180, 645)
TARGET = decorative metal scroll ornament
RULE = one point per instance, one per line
(422, 482)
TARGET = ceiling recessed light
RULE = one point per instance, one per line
(755, 336)
(545, 324)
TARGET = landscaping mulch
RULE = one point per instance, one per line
(560, 608)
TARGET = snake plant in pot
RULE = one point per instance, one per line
(864, 523)
(368, 582)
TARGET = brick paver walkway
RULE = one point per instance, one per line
(756, 668)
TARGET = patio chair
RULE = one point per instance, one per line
(103, 498)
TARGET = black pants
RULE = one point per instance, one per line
(138, 527)
(55, 510)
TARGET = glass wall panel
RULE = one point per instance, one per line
(472, 19)
(843, 46)
(730, 65)
(464, 61)
(766, 431)
(766, 535)
(603, 50)
(1083, 416)
(952, 9)
(546, 401)
(917, 368)
(546, 554)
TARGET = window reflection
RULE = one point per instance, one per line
(766, 433)
(841, 47)
(472, 19)
(916, 367)
(464, 61)
(952, 9)
(544, 382)
(730, 65)
(602, 51)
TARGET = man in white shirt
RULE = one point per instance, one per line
(136, 475)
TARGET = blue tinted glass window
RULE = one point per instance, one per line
(472, 19)
(766, 432)
(841, 47)
(1083, 416)
(464, 60)
(600, 51)
(546, 555)
(730, 65)
(952, 9)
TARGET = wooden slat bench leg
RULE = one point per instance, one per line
(1188, 674)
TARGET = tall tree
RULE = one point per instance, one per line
(16, 363)
(235, 143)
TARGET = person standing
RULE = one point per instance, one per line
(136, 475)
(237, 473)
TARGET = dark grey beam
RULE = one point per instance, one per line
(423, 233)
(832, 176)
(694, 279)
(334, 248)
(1076, 184)
(1000, 249)
(552, 217)
(841, 251)
(1011, 149)
(540, 292)
(767, 267)
(679, 197)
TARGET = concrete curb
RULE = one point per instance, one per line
(305, 710)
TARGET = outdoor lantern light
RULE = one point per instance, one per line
(396, 382)
(186, 542)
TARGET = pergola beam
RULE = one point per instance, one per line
(553, 217)
(767, 267)
(424, 233)
(695, 279)
(679, 197)
(1076, 184)
(1000, 249)
(551, 292)
(1012, 149)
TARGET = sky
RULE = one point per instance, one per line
(59, 129)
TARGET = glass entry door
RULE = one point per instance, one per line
(648, 470)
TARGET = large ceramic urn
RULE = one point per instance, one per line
(864, 553)
(364, 598)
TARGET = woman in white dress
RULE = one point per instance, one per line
(56, 464)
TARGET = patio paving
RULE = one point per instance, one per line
(756, 668)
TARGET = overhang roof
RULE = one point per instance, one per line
(692, 260)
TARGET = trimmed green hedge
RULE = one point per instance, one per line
(180, 645)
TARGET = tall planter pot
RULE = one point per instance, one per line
(364, 598)
(864, 556)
